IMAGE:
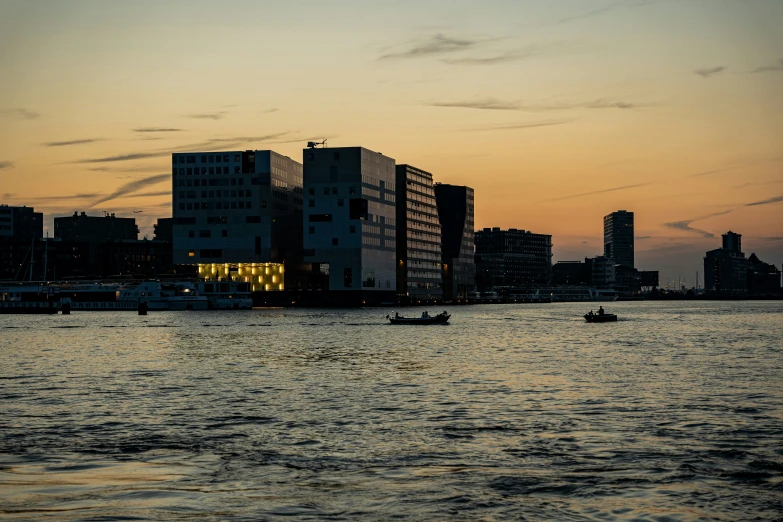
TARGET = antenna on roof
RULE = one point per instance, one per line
(314, 144)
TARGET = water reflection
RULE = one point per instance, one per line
(510, 412)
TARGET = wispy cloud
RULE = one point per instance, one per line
(494, 104)
(776, 199)
(739, 165)
(79, 196)
(757, 183)
(6, 165)
(71, 142)
(149, 194)
(613, 189)
(208, 115)
(778, 67)
(706, 73)
(125, 157)
(433, 45)
(156, 129)
(214, 144)
(9, 195)
(131, 187)
(125, 169)
(685, 224)
(19, 113)
(267, 111)
(514, 126)
(524, 53)
(606, 9)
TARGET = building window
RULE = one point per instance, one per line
(211, 170)
(347, 277)
(225, 158)
(341, 202)
(242, 204)
(224, 232)
(334, 191)
(203, 159)
(249, 205)
(182, 206)
(311, 191)
(204, 233)
(352, 229)
(312, 230)
(191, 233)
(219, 159)
(263, 204)
(237, 158)
(352, 190)
(335, 242)
(191, 253)
(326, 191)
(311, 203)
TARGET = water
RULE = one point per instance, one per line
(511, 412)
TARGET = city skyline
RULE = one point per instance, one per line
(555, 114)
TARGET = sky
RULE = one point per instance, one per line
(556, 113)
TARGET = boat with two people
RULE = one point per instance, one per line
(600, 317)
(426, 318)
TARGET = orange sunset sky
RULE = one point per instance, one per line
(556, 112)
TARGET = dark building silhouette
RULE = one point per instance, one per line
(726, 269)
(627, 280)
(164, 230)
(603, 271)
(648, 279)
(95, 229)
(419, 273)
(571, 273)
(20, 222)
(512, 258)
(455, 211)
(763, 278)
(618, 237)
(133, 258)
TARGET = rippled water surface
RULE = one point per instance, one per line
(511, 412)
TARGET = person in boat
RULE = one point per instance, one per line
(396, 315)
(425, 315)
(591, 313)
(601, 311)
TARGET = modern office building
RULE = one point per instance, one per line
(512, 258)
(95, 229)
(618, 237)
(726, 269)
(350, 222)
(20, 223)
(571, 273)
(455, 211)
(237, 215)
(419, 274)
(602, 272)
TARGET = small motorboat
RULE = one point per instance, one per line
(441, 318)
(600, 318)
